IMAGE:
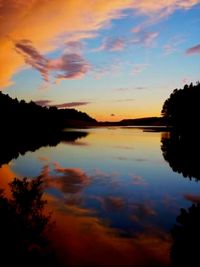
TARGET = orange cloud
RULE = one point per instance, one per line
(49, 24)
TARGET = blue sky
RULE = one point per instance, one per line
(112, 60)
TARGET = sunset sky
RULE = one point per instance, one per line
(112, 59)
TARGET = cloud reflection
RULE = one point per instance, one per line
(67, 180)
(85, 240)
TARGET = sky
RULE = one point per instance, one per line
(115, 60)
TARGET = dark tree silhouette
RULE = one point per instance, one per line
(24, 226)
(186, 236)
(181, 152)
(32, 119)
(182, 110)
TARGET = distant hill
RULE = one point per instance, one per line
(149, 121)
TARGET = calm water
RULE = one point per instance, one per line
(112, 195)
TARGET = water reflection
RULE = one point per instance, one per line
(112, 195)
(181, 152)
(24, 225)
(186, 236)
(14, 145)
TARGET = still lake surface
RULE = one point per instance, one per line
(112, 195)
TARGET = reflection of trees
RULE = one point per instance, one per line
(23, 226)
(181, 152)
(12, 145)
(186, 238)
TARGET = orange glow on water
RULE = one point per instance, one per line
(82, 239)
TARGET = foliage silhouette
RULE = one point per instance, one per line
(181, 110)
(180, 151)
(30, 118)
(186, 236)
(24, 226)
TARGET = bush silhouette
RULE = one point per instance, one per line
(24, 226)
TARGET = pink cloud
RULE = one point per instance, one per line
(112, 44)
(32, 57)
(72, 104)
(169, 49)
(48, 103)
(74, 46)
(193, 50)
(139, 68)
(68, 66)
(43, 103)
(157, 10)
(173, 44)
(144, 38)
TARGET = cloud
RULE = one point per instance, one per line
(167, 6)
(193, 50)
(50, 24)
(112, 44)
(112, 68)
(172, 45)
(43, 103)
(33, 57)
(68, 66)
(169, 49)
(125, 100)
(48, 103)
(121, 158)
(139, 68)
(74, 46)
(123, 89)
(157, 10)
(128, 89)
(72, 104)
(144, 38)
(140, 88)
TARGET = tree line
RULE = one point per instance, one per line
(182, 109)
(29, 117)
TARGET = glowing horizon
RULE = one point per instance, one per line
(111, 59)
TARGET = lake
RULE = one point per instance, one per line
(114, 194)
